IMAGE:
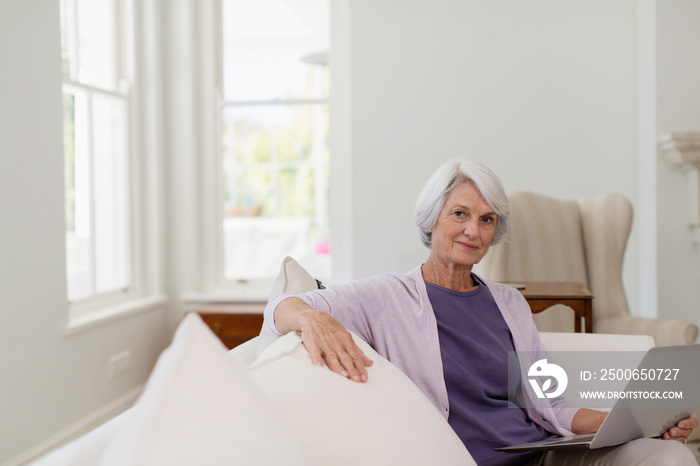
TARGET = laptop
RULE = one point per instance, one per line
(629, 419)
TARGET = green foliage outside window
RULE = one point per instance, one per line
(271, 150)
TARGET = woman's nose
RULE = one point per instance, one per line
(471, 229)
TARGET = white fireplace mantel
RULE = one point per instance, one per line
(683, 149)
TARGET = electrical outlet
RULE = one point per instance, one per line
(119, 364)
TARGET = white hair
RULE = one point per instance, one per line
(448, 177)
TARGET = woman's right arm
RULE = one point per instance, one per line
(324, 337)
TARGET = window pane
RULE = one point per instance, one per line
(247, 134)
(97, 46)
(255, 246)
(69, 158)
(276, 197)
(270, 154)
(77, 196)
(69, 39)
(275, 157)
(272, 47)
(296, 188)
(251, 191)
(112, 263)
(95, 40)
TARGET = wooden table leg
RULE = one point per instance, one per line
(588, 315)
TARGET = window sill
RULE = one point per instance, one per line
(113, 313)
(250, 296)
(250, 291)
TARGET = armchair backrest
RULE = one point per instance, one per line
(566, 240)
(606, 222)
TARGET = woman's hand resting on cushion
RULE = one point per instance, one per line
(324, 337)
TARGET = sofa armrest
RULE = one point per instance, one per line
(666, 332)
(565, 341)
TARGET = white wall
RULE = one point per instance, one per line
(49, 380)
(541, 91)
(545, 93)
(181, 169)
(677, 48)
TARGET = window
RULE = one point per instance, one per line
(274, 137)
(96, 48)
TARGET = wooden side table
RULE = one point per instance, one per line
(233, 323)
(542, 295)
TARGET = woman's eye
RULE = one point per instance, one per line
(488, 220)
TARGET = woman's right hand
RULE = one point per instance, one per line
(324, 337)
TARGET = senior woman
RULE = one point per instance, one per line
(450, 332)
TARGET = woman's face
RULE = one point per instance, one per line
(465, 227)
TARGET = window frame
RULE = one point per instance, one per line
(213, 285)
(276, 167)
(143, 147)
(96, 298)
(209, 285)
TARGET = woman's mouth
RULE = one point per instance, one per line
(468, 246)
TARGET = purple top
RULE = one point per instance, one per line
(474, 344)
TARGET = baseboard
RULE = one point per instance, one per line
(78, 428)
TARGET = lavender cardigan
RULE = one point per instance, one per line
(393, 314)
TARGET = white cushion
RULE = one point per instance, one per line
(292, 279)
(246, 352)
(200, 407)
(386, 420)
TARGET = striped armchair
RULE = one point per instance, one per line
(568, 240)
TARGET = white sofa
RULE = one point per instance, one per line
(204, 405)
(264, 403)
